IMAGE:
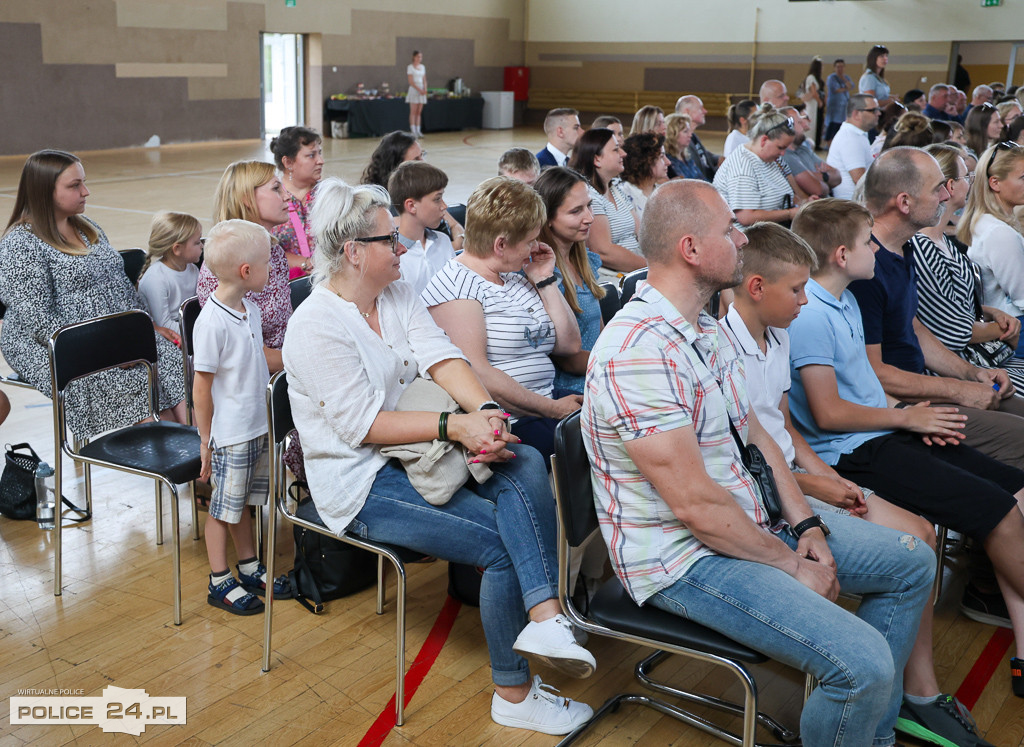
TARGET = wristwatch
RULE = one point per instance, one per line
(490, 405)
(811, 523)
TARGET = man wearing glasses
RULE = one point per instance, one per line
(850, 152)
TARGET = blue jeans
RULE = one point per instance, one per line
(858, 659)
(506, 526)
(1019, 352)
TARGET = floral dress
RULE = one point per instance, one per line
(45, 289)
(285, 232)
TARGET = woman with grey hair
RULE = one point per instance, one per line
(351, 350)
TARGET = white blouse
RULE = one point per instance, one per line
(341, 374)
(998, 250)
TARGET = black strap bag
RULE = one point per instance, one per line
(326, 568)
(18, 485)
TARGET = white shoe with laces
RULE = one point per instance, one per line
(552, 642)
(541, 711)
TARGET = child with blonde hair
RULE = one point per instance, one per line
(170, 275)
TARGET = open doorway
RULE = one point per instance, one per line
(281, 82)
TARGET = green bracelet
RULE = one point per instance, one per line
(442, 427)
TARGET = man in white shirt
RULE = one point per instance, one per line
(417, 191)
(562, 126)
(774, 92)
(850, 151)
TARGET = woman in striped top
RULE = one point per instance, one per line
(598, 155)
(505, 321)
(948, 298)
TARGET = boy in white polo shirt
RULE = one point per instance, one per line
(229, 391)
(417, 192)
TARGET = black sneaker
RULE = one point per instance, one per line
(985, 608)
(1017, 677)
(944, 722)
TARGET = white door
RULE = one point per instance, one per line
(281, 82)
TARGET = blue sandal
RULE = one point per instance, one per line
(244, 605)
(256, 584)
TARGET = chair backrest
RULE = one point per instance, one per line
(83, 348)
(133, 260)
(458, 212)
(300, 289)
(279, 409)
(188, 312)
(570, 467)
(610, 303)
(629, 284)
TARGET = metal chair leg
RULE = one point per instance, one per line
(400, 653)
(940, 554)
(381, 584)
(176, 550)
(58, 523)
(268, 599)
(195, 510)
(258, 528)
(160, 513)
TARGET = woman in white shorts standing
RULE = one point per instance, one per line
(417, 95)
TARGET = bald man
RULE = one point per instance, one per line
(774, 92)
(693, 107)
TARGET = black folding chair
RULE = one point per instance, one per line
(610, 303)
(165, 452)
(300, 289)
(281, 426)
(629, 284)
(188, 312)
(133, 260)
(614, 614)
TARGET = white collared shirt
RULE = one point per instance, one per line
(421, 262)
(229, 344)
(560, 157)
(850, 149)
(341, 375)
(768, 377)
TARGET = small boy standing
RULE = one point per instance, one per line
(230, 381)
(417, 192)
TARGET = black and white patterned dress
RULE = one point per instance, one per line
(45, 289)
(945, 301)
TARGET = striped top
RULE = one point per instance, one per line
(645, 378)
(945, 292)
(520, 334)
(621, 219)
(748, 183)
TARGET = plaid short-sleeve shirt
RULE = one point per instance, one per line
(644, 378)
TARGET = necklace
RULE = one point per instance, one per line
(365, 315)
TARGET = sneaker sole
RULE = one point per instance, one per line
(999, 622)
(577, 668)
(555, 731)
(914, 729)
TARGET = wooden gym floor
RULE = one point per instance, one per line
(332, 674)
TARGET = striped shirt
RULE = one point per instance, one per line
(621, 219)
(748, 183)
(520, 334)
(945, 292)
(645, 378)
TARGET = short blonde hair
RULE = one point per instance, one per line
(828, 224)
(236, 192)
(232, 243)
(169, 228)
(500, 207)
(674, 124)
(772, 249)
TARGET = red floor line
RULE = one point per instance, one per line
(414, 677)
(983, 669)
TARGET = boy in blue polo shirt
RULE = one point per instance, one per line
(910, 454)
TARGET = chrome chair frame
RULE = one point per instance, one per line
(59, 382)
(571, 523)
(281, 426)
(188, 312)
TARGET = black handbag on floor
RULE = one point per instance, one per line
(18, 485)
(326, 568)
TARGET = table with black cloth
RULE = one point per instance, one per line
(376, 117)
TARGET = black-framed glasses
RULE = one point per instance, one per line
(997, 148)
(391, 238)
(789, 123)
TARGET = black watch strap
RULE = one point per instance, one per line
(814, 521)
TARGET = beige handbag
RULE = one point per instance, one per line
(435, 468)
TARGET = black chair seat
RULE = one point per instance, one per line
(168, 449)
(615, 609)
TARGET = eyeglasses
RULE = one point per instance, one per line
(997, 148)
(788, 124)
(968, 177)
(391, 238)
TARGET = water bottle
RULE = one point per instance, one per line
(46, 502)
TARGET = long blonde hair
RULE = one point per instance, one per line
(236, 192)
(982, 200)
(168, 228)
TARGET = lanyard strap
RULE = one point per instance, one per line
(300, 230)
(732, 428)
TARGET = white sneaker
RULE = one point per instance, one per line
(542, 711)
(553, 643)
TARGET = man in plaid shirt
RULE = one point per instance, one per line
(685, 523)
